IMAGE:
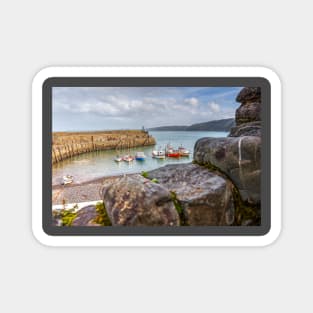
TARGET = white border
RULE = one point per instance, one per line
(161, 241)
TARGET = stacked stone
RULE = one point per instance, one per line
(248, 115)
(239, 155)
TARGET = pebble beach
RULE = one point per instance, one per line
(86, 191)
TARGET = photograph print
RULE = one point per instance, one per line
(156, 156)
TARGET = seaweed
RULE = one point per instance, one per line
(102, 218)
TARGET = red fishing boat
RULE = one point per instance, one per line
(171, 153)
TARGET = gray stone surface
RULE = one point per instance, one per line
(205, 197)
(247, 129)
(136, 201)
(249, 94)
(238, 157)
(250, 112)
(86, 216)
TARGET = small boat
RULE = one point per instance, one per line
(183, 151)
(118, 159)
(140, 156)
(169, 147)
(171, 153)
(67, 179)
(128, 158)
(158, 154)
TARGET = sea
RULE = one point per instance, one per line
(97, 164)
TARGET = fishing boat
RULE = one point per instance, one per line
(140, 156)
(158, 154)
(128, 158)
(171, 153)
(67, 179)
(118, 159)
(183, 151)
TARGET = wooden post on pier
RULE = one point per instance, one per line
(55, 157)
(60, 154)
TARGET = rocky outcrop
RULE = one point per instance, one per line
(246, 129)
(203, 197)
(239, 158)
(248, 115)
(136, 201)
(250, 112)
(249, 94)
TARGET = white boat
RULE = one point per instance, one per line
(67, 179)
(140, 156)
(158, 154)
(128, 158)
(118, 159)
(183, 151)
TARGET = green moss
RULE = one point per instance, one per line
(67, 216)
(144, 174)
(178, 208)
(245, 211)
(210, 167)
(102, 218)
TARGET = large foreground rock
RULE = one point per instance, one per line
(238, 157)
(136, 201)
(205, 197)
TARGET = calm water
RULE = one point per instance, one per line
(97, 164)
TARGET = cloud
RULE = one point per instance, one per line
(192, 101)
(132, 107)
(214, 107)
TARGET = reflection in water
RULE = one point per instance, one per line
(97, 164)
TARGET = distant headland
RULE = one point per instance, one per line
(224, 125)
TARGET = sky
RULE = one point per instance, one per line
(104, 108)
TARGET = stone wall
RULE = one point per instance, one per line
(68, 144)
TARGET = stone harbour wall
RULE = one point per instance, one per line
(68, 144)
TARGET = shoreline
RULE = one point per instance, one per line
(87, 182)
(82, 192)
